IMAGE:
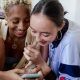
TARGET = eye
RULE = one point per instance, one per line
(34, 31)
(46, 34)
(15, 21)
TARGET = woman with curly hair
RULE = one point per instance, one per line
(13, 37)
(14, 30)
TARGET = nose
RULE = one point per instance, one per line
(21, 26)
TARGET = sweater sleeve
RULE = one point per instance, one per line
(50, 76)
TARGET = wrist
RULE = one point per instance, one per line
(45, 68)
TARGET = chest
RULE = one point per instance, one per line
(14, 48)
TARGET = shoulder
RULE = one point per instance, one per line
(73, 27)
(70, 46)
(3, 28)
(71, 51)
(72, 35)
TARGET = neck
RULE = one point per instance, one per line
(10, 33)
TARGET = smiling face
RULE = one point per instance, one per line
(18, 20)
(43, 29)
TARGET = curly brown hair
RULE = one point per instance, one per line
(10, 3)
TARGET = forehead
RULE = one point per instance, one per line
(41, 22)
(18, 10)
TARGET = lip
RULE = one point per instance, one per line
(43, 42)
(20, 33)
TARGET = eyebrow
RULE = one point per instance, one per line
(41, 32)
(16, 18)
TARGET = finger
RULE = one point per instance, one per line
(41, 75)
(32, 50)
(26, 50)
(26, 56)
(36, 69)
(30, 63)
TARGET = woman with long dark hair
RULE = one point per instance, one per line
(62, 37)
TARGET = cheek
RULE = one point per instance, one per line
(11, 25)
(53, 38)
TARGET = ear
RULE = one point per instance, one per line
(62, 25)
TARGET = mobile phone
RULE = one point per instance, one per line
(30, 76)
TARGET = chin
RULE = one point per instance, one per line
(43, 44)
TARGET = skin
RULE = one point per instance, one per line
(18, 23)
(2, 53)
(18, 20)
(43, 29)
(45, 32)
(11, 74)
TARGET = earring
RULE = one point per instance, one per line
(59, 35)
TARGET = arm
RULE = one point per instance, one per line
(48, 73)
(70, 62)
(35, 56)
(11, 75)
(50, 76)
(44, 52)
(2, 53)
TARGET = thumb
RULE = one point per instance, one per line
(18, 71)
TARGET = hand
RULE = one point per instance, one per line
(37, 70)
(11, 74)
(32, 54)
